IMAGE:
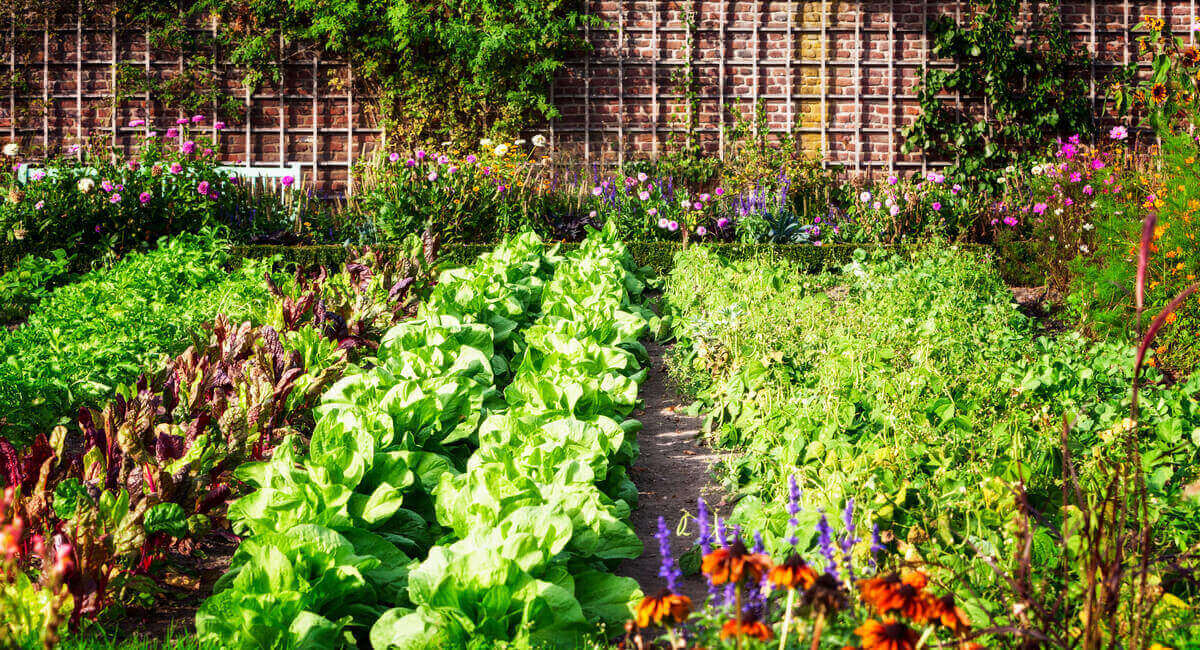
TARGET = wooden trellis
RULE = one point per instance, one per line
(837, 74)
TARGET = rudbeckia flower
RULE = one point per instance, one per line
(729, 564)
(667, 605)
(950, 615)
(794, 573)
(888, 634)
(747, 625)
(905, 595)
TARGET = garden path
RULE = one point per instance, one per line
(671, 472)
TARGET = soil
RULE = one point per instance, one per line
(1042, 304)
(183, 588)
(672, 471)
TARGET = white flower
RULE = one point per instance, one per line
(519, 142)
(12, 149)
(85, 185)
(447, 143)
(486, 142)
(1088, 226)
(539, 141)
(1083, 248)
(1009, 169)
(501, 149)
(1001, 180)
(1058, 211)
(865, 197)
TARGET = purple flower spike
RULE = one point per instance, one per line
(705, 529)
(759, 547)
(876, 545)
(826, 542)
(669, 570)
(722, 532)
(793, 509)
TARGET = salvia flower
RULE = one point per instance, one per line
(702, 520)
(825, 540)
(669, 571)
(793, 509)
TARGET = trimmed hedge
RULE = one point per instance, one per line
(1016, 262)
(1013, 260)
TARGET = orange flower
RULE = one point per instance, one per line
(889, 634)
(747, 625)
(654, 609)
(1159, 93)
(732, 563)
(950, 615)
(906, 595)
(793, 573)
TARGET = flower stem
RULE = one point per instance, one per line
(737, 614)
(787, 618)
(818, 626)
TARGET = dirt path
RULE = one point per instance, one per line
(671, 473)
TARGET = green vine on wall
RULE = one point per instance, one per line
(438, 69)
(1031, 77)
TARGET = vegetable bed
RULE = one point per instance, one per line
(471, 485)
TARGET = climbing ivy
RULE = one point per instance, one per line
(1029, 74)
(439, 69)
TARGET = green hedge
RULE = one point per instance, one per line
(1013, 260)
(1016, 262)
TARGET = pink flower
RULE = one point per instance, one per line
(287, 181)
(956, 189)
(144, 197)
(115, 198)
(652, 211)
(432, 176)
(1118, 133)
(705, 198)
(894, 210)
(698, 205)
(719, 191)
(1076, 177)
(176, 168)
(663, 222)
(420, 154)
(188, 146)
(219, 126)
(1010, 220)
(202, 187)
(936, 206)
(197, 119)
(106, 185)
(39, 205)
(642, 177)
(1097, 164)
(208, 152)
(451, 170)
(644, 195)
(471, 159)
(1087, 189)
(673, 226)
(393, 157)
(132, 164)
(1039, 208)
(136, 123)
(701, 231)
(410, 163)
(892, 180)
(597, 191)
(723, 222)
(172, 132)
(182, 120)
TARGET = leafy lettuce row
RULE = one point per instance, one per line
(332, 530)
(434, 506)
(540, 511)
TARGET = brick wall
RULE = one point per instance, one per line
(839, 74)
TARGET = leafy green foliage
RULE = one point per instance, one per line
(916, 388)
(1032, 91)
(30, 281)
(483, 513)
(89, 337)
